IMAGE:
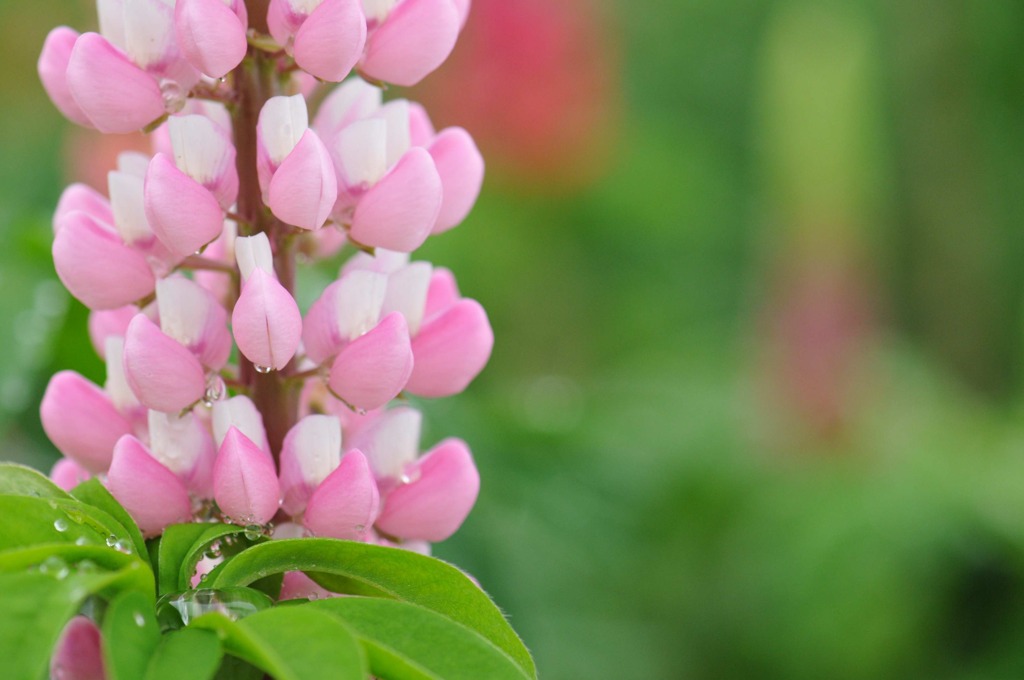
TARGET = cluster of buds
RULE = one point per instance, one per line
(222, 399)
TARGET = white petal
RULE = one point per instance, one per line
(362, 152)
(352, 100)
(200, 148)
(283, 121)
(378, 10)
(183, 307)
(133, 163)
(394, 441)
(175, 442)
(127, 204)
(116, 385)
(241, 413)
(407, 293)
(396, 115)
(149, 30)
(111, 15)
(253, 252)
(358, 302)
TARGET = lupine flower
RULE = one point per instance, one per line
(191, 255)
(79, 653)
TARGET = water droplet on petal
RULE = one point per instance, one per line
(60, 524)
(405, 479)
(174, 97)
(140, 621)
(263, 369)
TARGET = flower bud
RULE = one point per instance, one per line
(346, 502)
(212, 34)
(244, 480)
(81, 421)
(311, 451)
(78, 654)
(182, 213)
(152, 494)
(413, 40)
(326, 37)
(53, 67)
(443, 487)
(372, 369)
(164, 375)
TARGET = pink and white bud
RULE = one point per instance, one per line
(303, 189)
(211, 34)
(399, 211)
(82, 197)
(311, 451)
(164, 375)
(240, 413)
(410, 40)
(346, 503)
(184, 446)
(326, 37)
(113, 93)
(461, 168)
(53, 67)
(183, 214)
(266, 322)
(244, 480)
(442, 488)
(450, 350)
(81, 421)
(348, 308)
(353, 100)
(96, 266)
(126, 187)
(191, 315)
(372, 369)
(67, 474)
(116, 385)
(79, 652)
(202, 149)
(391, 441)
(106, 323)
(152, 494)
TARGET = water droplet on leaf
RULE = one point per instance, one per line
(60, 524)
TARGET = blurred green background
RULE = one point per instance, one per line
(755, 272)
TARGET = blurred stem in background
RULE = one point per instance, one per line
(823, 194)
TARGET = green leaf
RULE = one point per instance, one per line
(181, 548)
(19, 480)
(406, 641)
(189, 653)
(363, 569)
(85, 556)
(29, 521)
(36, 605)
(96, 495)
(130, 636)
(292, 643)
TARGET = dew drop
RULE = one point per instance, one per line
(215, 390)
(174, 98)
(55, 566)
(60, 524)
(81, 540)
(359, 527)
(111, 540)
(263, 369)
(405, 479)
(140, 621)
(253, 532)
(122, 546)
(361, 411)
(87, 567)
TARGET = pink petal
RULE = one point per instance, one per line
(297, 585)
(245, 481)
(399, 211)
(303, 189)
(421, 130)
(414, 40)
(451, 350)
(311, 451)
(374, 367)
(211, 35)
(105, 323)
(390, 441)
(432, 506)
(164, 375)
(114, 93)
(346, 503)
(67, 474)
(331, 39)
(53, 66)
(461, 168)
(266, 322)
(282, 21)
(152, 494)
(81, 421)
(442, 293)
(345, 310)
(82, 197)
(462, 6)
(78, 654)
(182, 213)
(96, 266)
